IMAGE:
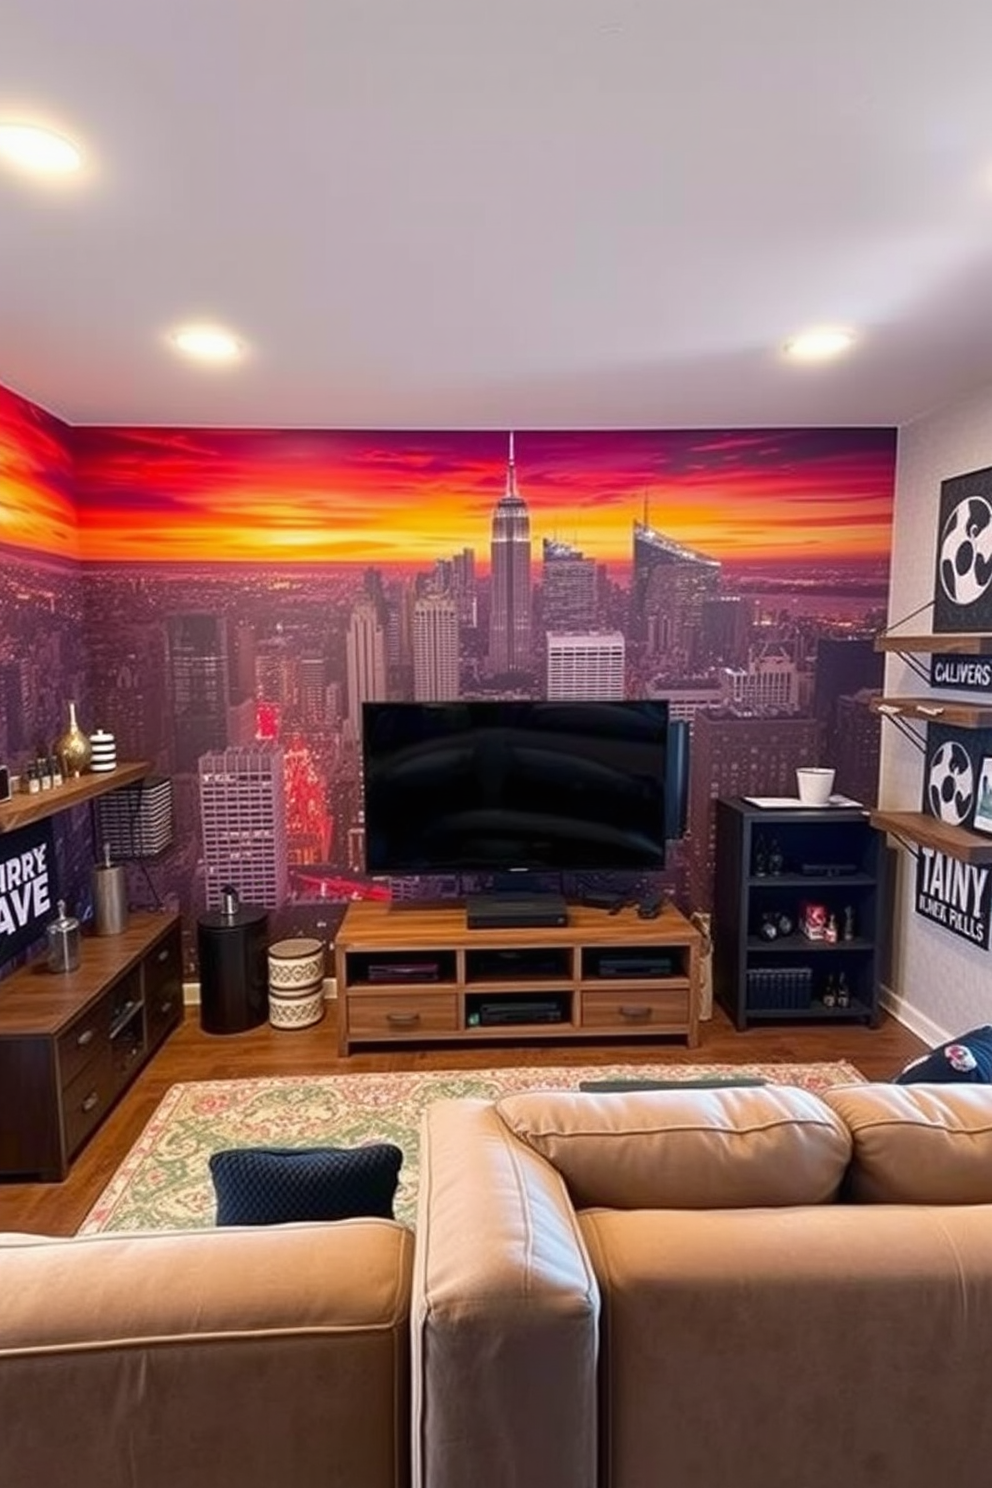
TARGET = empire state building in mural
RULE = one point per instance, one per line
(510, 613)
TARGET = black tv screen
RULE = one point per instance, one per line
(504, 786)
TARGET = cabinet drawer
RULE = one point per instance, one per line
(87, 1099)
(163, 989)
(411, 1012)
(636, 1008)
(83, 1040)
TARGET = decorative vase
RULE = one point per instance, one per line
(73, 747)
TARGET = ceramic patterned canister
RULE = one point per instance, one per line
(103, 751)
(295, 965)
(298, 1011)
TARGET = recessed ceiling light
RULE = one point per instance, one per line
(38, 151)
(207, 343)
(819, 345)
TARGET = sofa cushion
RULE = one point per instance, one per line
(725, 1148)
(287, 1185)
(962, 1061)
(918, 1144)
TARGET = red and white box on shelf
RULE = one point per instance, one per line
(813, 921)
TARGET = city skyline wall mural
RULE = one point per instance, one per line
(247, 590)
(42, 652)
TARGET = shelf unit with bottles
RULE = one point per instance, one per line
(770, 863)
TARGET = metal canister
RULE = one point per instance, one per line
(62, 935)
(109, 896)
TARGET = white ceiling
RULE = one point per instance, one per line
(498, 213)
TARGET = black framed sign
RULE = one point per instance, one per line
(965, 673)
(962, 590)
(27, 886)
(954, 894)
(981, 821)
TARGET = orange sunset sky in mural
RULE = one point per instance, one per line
(293, 496)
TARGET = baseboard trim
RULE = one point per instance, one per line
(911, 1018)
(191, 992)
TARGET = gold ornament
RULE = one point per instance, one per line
(73, 747)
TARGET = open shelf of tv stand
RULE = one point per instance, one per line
(420, 976)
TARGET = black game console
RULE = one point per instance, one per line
(522, 1010)
(661, 965)
(827, 870)
(515, 911)
(404, 971)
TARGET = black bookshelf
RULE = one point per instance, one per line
(770, 863)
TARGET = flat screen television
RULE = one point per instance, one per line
(514, 786)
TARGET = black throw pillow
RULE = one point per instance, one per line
(962, 1061)
(286, 1185)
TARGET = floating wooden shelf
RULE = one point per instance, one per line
(22, 809)
(957, 644)
(935, 710)
(917, 826)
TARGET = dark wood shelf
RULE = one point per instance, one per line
(811, 880)
(957, 644)
(23, 809)
(928, 831)
(791, 944)
(935, 710)
(855, 1009)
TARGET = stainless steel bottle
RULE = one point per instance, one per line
(62, 935)
(109, 896)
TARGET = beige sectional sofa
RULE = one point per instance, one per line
(241, 1358)
(736, 1288)
(731, 1288)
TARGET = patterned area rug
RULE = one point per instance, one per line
(164, 1182)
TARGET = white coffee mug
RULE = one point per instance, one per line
(815, 785)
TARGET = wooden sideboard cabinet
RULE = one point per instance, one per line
(72, 1042)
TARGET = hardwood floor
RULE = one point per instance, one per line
(190, 1054)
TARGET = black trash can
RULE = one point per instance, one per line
(233, 949)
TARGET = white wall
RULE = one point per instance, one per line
(940, 985)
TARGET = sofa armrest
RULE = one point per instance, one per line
(504, 1315)
(249, 1356)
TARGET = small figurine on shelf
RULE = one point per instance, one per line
(786, 924)
(843, 992)
(760, 857)
(848, 931)
(769, 926)
(830, 933)
(829, 994)
(776, 859)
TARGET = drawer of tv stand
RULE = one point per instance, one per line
(395, 1014)
(626, 1009)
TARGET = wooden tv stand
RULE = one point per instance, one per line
(408, 975)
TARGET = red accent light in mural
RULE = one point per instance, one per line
(308, 820)
(266, 721)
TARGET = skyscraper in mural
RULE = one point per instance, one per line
(585, 666)
(243, 813)
(198, 674)
(568, 584)
(510, 597)
(435, 649)
(366, 661)
(669, 587)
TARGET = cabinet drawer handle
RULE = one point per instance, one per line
(165, 1007)
(163, 954)
(86, 1037)
(635, 1012)
(403, 1020)
(91, 1100)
